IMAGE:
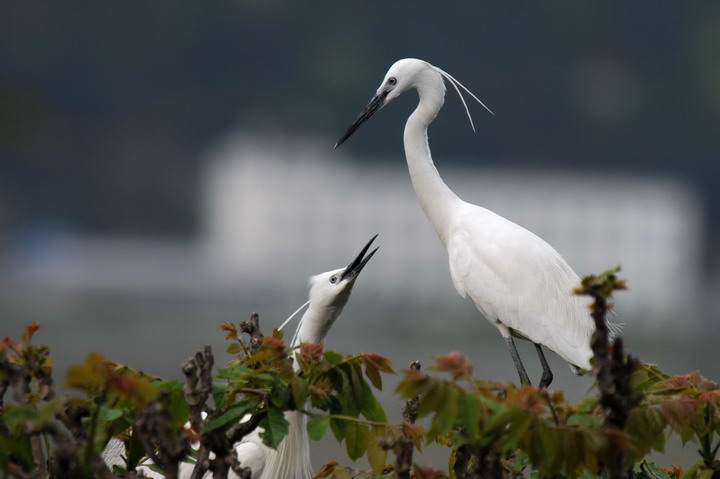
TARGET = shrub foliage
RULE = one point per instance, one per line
(490, 429)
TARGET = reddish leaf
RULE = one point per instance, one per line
(674, 471)
(230, 329)
(136, 390)
(415, 383)
(29, 331)
(709, 396)
(310, 353)
(272, 343)
(319, 391)
(680, 413)
(333, 470)
(428, 472)
(454, 363)
(91, 375)
(374, 365)
(530, 398)
(415, 432)
(679, 383)
(7, 344)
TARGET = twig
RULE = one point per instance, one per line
(252, 329)
(155, 428)
(194, 396)
(611, 366)
(404, 459)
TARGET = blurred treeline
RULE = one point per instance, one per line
(106, 108)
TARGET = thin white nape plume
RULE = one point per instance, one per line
(293, 315)
(451, 79)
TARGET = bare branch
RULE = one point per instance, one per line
(404, 459)
(156, 430)
(252, 329)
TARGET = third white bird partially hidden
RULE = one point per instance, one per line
(517, 281)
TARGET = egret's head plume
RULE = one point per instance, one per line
(405, 75)
(457, 84)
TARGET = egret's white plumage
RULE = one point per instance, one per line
(517, 281)
(329, 293)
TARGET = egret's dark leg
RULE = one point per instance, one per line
(547, 375)
(524, 379)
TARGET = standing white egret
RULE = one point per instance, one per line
(517, 281)
(329, 292)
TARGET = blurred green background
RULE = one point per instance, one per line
(105, 106)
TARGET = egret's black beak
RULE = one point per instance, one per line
(358, 263)
(375, 104)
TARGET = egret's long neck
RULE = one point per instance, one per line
(319, 318)
(434, 195)
(292, 457)
(315, 324)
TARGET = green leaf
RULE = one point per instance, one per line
(233, 414)
(445, 417)
(651, 471)
(217, 390)
(338, 428)
(544, 447)
(584, 420)
(48, 410)
(234, 348)
(275, 428)
(356, 439)
(356, 385)
(371, 407)
(317, 426)
(646, 427)
(469, 414)
(341, 383)
(16, 417)
(107, 414)
(377, 456)
(434, 399)
(178, 407)
(517, 428)
(333, 358)
(234, 372)
(299, 391)
(134, 450)
(280, 396)
(19, 447)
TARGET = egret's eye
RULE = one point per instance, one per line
(333, 280)
(392, 81)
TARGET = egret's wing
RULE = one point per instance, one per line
(253, 455)
(515, 277)
(113, 453)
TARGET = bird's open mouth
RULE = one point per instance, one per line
(359, 262)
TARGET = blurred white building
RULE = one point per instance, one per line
(273, 205)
